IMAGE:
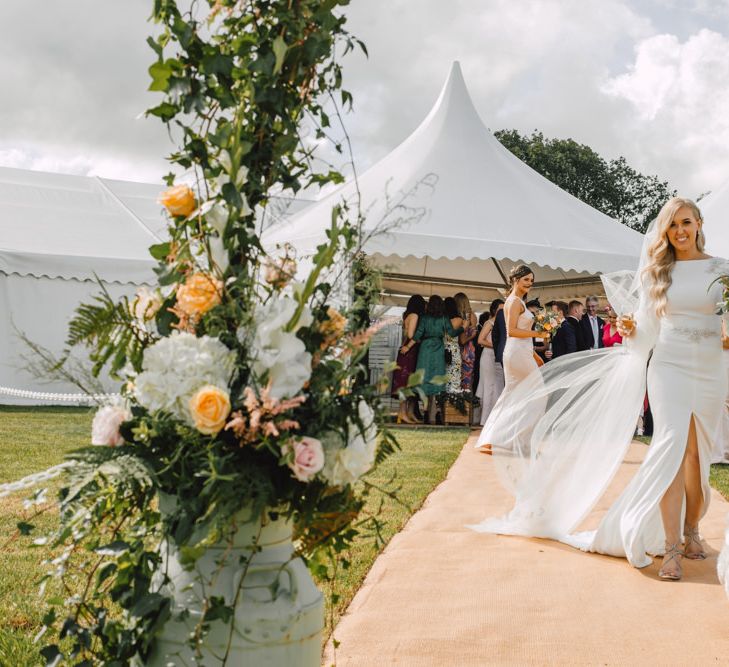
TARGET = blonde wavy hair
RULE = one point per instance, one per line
(662, 255)
(464, 305)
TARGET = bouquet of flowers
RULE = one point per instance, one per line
(724, 303)
(547, 321)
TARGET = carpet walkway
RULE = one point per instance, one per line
(443, 595)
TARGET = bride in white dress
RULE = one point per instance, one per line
(564, 432)
(518, 360)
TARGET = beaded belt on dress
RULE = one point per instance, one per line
(695, 334)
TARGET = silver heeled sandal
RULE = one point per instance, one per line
(673, 551)
(691, 536)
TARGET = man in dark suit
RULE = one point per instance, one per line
(570, 338)
(592, 325)
(498, 336)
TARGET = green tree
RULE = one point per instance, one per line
(613, 186)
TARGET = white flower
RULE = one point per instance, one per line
(174, 368)
(217, 217)
(277, 352)
(345, 465)
(218, 253)
(105, 427)
(146, 304)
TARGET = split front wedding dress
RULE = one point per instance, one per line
(560, 436)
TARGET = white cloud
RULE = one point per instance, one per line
(679, 96)
(604, 73)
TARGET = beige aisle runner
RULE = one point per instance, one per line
(443, 595)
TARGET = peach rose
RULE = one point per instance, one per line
(179, 200)
(199, 294)
(333, 328)
(279, 272)
(308, 458)
(209, 409)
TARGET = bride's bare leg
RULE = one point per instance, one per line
(671, 504)
(694, 496)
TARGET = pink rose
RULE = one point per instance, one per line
(308, 458)
(105, 427)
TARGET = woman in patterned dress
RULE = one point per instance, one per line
(452, 348)
(467, 341)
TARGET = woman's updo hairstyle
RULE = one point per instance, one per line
(519, 272)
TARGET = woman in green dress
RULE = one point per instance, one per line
(430, 333)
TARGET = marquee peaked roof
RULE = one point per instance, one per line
(76, 227)
(715, 210)
(482, 209)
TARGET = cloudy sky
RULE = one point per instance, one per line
(647, 79)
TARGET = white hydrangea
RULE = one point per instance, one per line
(174, 368)
(277, 352)
(345, 465)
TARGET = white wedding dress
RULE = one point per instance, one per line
(518, 360)
(561, 435)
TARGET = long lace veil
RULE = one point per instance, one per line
(559, 437)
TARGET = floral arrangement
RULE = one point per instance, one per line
(546, 321)
(724, 303)
(240, 386)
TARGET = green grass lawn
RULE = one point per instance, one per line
(32, 439)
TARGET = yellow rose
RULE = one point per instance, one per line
(547, 327)
(178, 200)
(199, 294)
(209, 409)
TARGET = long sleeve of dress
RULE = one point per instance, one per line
(452, 331)
(420, 330)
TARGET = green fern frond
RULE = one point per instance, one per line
(108, 328)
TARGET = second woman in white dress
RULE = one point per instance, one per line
(519, 359)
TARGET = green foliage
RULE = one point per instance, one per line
(109, 329)
(613, 186)
(239, 81)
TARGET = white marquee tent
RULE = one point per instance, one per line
(715, 210)
(57, 232)
(481, 211)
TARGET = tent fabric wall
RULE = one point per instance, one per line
(59, 233)
(41, 309)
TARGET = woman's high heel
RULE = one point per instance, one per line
(673, 552)
(691, 536)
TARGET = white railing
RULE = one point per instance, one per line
(62, 398)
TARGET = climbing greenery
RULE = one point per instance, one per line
(244, 387)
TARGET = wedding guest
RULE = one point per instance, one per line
(592, 325)
(498, 336)
(467, 341)
(482, 319)
(561, 309)
(430, 332)
(491, 374)
(569, 337)
(407, 358)
(610, 334)
(540, 345)
(453, 359)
